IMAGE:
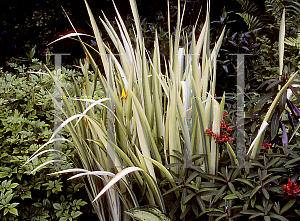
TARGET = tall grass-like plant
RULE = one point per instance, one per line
(143, 110)
(256, 144)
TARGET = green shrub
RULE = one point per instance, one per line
(26, 123)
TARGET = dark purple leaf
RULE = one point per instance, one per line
(233, 36)
(255, 45)
(293, 107)
(284, 136)
(225, 68)
(222, 20)
(263, 100)
(256, 30)
(245, 48)
(268, 81)
(282, 101)
(291, 119)
(275, 123)
(233, 43)
(273, 84)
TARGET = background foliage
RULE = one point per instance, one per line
(26, 122)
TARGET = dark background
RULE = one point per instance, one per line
(38, 22)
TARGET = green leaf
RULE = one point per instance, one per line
(193, 187)
(147, 213)
(221, 217)
(219, 193)
(192, 176)
(248, 212)
(116, 178)
(230, 197)
(275, 216)
(37, 204)
(253, 126)
(13, 211)
(210, 185)
(272, 162)
(245, 181)
(265, 192)
(57, 206)
(292, 152)
(256, 215)
(267, 218)
(6, 210)
(278, 170)
(257, 164)
(271, 179)
(212, 177)
(231, 187)
(287, 206)
(187, 209)
(75, 214)
(163, 169)
(80, 202)
(235, 173)
(3, 175)
(254, 191)
(173, 189)
(13, 185)
(188, 198)
(201, 203)
(292, 161)
(207, 192)
(295, 131)
(26, 194)
(13, 205)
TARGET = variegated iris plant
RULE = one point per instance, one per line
(142, 111)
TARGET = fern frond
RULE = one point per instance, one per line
(244, 4)
(251, 14)
(251, 9)
(293, 11)
(253, 22)
(293, 41)
(275, 8)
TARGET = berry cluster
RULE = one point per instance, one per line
(224, 136)
(291, 189)
(266, 147)
(224, 126)
(21, 191)
(224, 114)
